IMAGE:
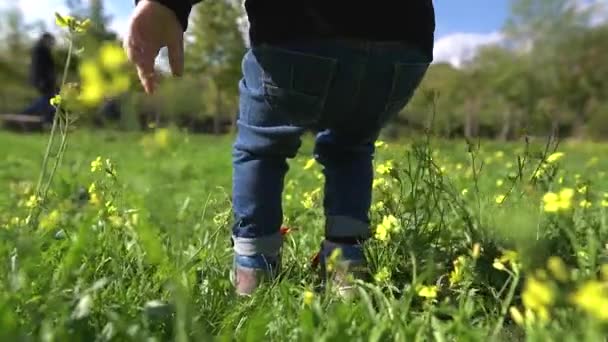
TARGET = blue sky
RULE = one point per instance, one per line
(470, 16)
(453, 16)
(462, 25)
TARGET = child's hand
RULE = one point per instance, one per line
(152, 27)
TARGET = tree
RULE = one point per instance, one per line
(215, 51)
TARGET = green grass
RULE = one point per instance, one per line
(149, 256)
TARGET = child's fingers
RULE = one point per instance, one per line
(176, 56)
(147, 75)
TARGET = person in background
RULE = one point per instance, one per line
(43, 77)
(341, 68)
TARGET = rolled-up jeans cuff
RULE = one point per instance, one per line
(346, 227)
(266, 245)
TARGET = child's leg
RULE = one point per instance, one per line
(348, 169)
(264, 141)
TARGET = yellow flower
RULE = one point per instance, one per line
(112, 56)
(518, 318)
(429, 292)
(93, 85)
(605, 203)
(500, 199)
(585, 204)
(333, 259)
(498, 265)
(379, 182)
(538, 296)
(383, 275)
(385, 168)
(500, 183)
(381, 233)
(582, 189)
(94, 199)
(592, 297)
(33, 201)
(161, 138)
(116, 221)
(555, 157)
(310, 163)
(499, 154)
(464, 192)
(380, 144)
(377, 206)
(458, 272)
(56, 101)
(508, 257)
(553, 202)
(459, 166)
(51, 220)
(308, 297)
(476, 251)
(96, 165)
(558, 269)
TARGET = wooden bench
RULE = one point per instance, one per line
(22, 122)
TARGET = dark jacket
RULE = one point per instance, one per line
(42, 73)
(278, 21)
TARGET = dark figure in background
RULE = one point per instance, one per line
(43, 78)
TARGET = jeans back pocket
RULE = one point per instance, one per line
(295, 84)
(406, 79)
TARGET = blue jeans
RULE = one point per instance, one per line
(42, 107)
(347, 91)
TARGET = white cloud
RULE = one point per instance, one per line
(36, 10)
(458, 48)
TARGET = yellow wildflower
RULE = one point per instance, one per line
(385, 168)
(500, 183)
(464, 192)
(500, 199)
(96, 165)
(333, 259)
(429, 292)
(112, 56)
(508, 257)
(51, 220)
(94, 199)
(555, 157)
(476, 251)
(458, 272)
(116, 220)
(553, 202)
(585, 204)
(33, 201)
(308, 297)
(592, 297)
(379, 183)
(56, 101)
(310, 163)
(538, 296)
(582, 189)
(499, 154)
(93, 85)
(558, 269)
(459, 166)
(383, 275)
(161, 138)
(380, 144)
(517, 316)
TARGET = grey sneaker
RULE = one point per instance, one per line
(342, 264)
(250, 271)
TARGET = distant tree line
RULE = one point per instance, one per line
(547, 76)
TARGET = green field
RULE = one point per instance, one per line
(481, 242)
